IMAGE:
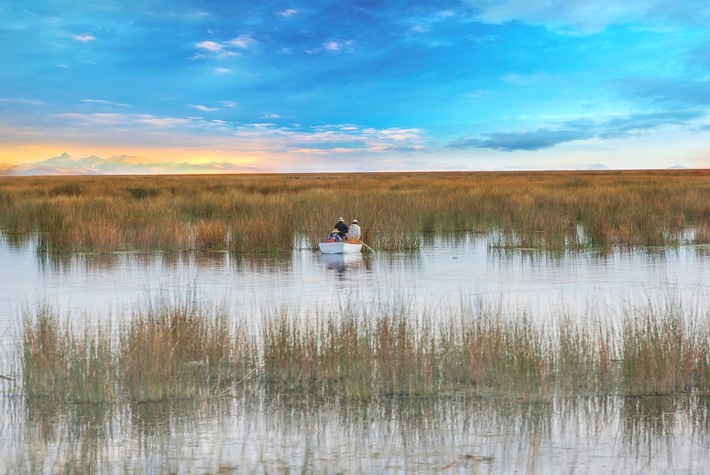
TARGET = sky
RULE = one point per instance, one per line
(358, 85)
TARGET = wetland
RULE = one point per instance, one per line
(507, 323)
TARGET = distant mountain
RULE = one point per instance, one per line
(65, 164)
(678, 167)
(598, 166)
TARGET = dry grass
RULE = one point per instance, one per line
(257, 213)
(181, 351)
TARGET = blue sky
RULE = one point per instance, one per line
(358, 85)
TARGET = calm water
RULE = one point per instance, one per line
(267, 435)
(442, 274)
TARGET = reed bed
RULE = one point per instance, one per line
(265, 213)
(185, 352)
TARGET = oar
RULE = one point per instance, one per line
(360, 241)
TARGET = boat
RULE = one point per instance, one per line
(342, 247)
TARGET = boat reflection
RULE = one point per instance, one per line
(342, 262)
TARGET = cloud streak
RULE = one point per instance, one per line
(584, 129)
(592, 16)
(84, 38)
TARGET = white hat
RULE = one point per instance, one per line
(354, 221)
(341, 219)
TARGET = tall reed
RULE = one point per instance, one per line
(266, 213)
(180, 351)
(59, 364)
(185, 351)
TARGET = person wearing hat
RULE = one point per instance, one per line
(341, 227)
(354, 230)
(334, 236)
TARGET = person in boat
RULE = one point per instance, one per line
(342, 228)
(334, 236)
(354, 230)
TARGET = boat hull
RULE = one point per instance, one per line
(340, 247)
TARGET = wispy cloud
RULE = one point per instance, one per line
(202, 108)
(84, 38)
(589, 17)
(287, 13)
(332, 46)
(212, 46)
(224, 49)
(583, 129)
(242, 41)
(30, 102)
(103, 102)
(164, 122)
(266, 137)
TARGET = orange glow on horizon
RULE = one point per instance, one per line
(31, 153)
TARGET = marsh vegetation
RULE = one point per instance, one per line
(184, 351)
(384, 382)
(269, 213)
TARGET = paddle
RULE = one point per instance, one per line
(360, 241)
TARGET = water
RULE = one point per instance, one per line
(260, 434)
(442, 274)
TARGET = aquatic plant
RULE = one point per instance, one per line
(550, 211)
(181, 351)
(185, 351)
(59, 364)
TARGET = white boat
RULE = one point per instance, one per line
(342, 247)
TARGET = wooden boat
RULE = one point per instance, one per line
(342, 247)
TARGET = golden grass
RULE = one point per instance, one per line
(266, 213)
(182, 351)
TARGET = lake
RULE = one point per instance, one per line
(265, 434)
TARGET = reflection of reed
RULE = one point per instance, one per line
(267, 432)
(653, 424)
(64, 438)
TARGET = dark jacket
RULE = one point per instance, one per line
(342, 228)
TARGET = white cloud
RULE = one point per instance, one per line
(84, 38)
(164, 121)
(202, 108)
(336, 46)
(332, 46)
(287, 13)
(210, 46)
(242, 41)
(30, 102)
(224, 49)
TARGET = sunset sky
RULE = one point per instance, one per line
(358, 85)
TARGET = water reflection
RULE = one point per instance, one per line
(285, 433)
(341, 263)
(446, 270)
